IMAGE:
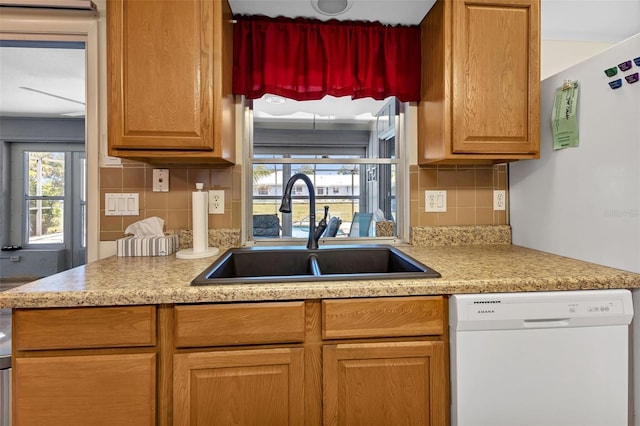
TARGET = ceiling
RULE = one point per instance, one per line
(42, 81)
(54, 78)
(406, 12)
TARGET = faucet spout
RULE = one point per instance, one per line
(285, 207)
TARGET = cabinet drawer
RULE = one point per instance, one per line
(239, 324)
(383, 317)
(79, 328)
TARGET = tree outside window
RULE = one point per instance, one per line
(45, 195)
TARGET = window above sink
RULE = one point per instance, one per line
(356, 164)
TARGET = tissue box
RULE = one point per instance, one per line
(147, 246)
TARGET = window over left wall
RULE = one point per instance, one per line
(48, 198)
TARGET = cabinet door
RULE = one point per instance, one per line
(243, 387)
(395, 383)
(107, 390)
(496, 76)
(169, 66)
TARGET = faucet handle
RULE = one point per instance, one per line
(322, 225)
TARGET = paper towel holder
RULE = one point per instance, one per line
(189, 253)
(200, 231)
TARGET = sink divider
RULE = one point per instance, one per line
(314, 265)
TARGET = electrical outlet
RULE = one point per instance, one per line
(435, 201)
(216, 201)
(160, 180)
(499, 199)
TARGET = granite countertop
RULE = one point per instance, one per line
(465, 269)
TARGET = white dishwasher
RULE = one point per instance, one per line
(540, 359)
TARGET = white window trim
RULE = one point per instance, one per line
(402, 185)
(26, 24)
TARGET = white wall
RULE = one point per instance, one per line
(558, 55)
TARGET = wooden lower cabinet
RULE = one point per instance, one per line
(82, 390)
(368, 361)
(394, 383)
(85, 366)
(253, 387)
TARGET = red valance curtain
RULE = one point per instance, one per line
(306, 59)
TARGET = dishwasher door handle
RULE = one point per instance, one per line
(547, 323)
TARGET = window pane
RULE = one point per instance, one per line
(46, 174)
(336, 185)
(45, 221)
(334, 154)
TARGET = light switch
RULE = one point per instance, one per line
(121, 204)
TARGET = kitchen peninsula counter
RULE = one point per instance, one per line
(166, 280)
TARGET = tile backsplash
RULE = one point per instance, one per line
(173, 206)
(469, 195)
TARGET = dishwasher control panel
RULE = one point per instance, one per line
(540, 309)
(525, 310)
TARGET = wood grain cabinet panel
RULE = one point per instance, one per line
(239, 324)
(480, 95)
(241, 387)
(382, 317)
(105, 365)
(85, 390)
(78, 328)
(169, 78)
(381, 384)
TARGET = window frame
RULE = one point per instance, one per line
(401, 162)
(75, 188)
(65, 198)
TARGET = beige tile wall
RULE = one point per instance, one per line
(173, 206)
(469, 195)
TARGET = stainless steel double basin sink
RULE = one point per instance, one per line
(296, 264)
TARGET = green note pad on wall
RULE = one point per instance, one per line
(564, 120)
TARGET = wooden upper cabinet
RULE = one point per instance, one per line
(169, 70)
(481, 82)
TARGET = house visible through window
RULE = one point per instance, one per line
(338, 156)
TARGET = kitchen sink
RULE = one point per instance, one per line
(295, 264)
